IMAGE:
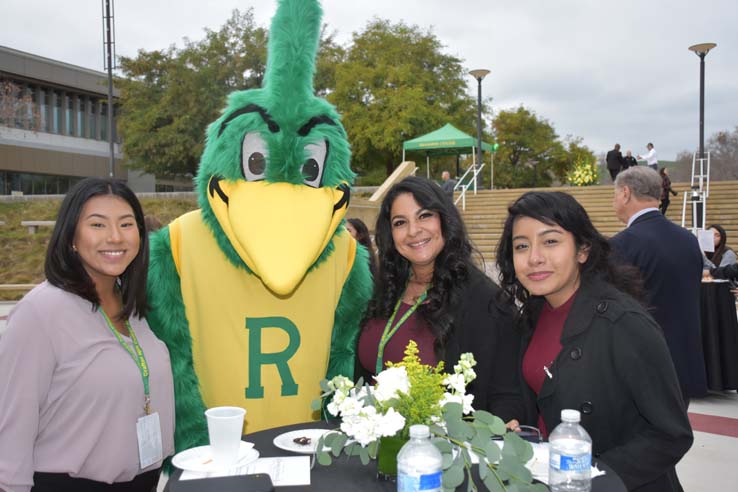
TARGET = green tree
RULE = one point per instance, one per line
(168, 97)
(531, 153)
(397, 84)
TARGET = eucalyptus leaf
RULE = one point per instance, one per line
(364, 456)
(493, 484)
(484, 417)
(515, 470)
(479, 441)
(448, 459)
(443, 445)
(522, 448)
(492, 451)
(315, 405)
(458, 429)
(353, 449)
(324, 458)
(324, 386)
(498, 426)
(454, 476)
(453, 411)
(338, 443)
(373, 449)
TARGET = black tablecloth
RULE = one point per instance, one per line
(347, 475)
(719, 335)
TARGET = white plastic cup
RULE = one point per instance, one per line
(225, 425)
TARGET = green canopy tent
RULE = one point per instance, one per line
(447, 140)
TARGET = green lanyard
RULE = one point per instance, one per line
(389, 330)
(138, 357)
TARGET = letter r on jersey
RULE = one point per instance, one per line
(255, 326)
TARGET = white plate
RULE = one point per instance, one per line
(287, 442)
(200, 459)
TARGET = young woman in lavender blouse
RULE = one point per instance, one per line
(86, 394)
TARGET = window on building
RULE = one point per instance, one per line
(69, 114)
(103, 120)
(56, 116)
(92, 117)
(82, 116)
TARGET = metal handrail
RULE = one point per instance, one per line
(464, 187)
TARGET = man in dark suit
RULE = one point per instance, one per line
(670, 262)
(614, 161)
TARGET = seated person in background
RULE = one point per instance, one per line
(428, 290)
(359, 231)
(588, 345)
(722, 255)
(81, 370)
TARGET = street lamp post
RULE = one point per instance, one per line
(479, 74)
(701, 50)
(698, 211)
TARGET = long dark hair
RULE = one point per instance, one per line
(562, 209)
(451, 268)
(717, 256)
(63, 267)
(363, 238)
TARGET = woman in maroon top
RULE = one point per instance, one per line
(428, 290)
(588, 344)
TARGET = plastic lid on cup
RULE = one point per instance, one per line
(419, 431)
(568, 415)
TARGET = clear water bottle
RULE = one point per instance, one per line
(419, 463)
(570, 455)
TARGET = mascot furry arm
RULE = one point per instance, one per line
(258, 294)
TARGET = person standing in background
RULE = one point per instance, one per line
(629, 160)
(670, 261)
(665, 190)
(650, 157)
(614, 161)
(448, 184)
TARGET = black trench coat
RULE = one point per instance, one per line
(615, 368)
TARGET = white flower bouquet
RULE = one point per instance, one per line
(376, 419)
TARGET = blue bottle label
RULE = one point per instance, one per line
(414, 483)
(577, 462)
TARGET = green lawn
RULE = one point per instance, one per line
(22, 257)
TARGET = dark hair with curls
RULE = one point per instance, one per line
(363, 238)
(722, 246)
(63, 267)
(452, 265)
(562, 209)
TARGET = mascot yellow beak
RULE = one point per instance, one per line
(278, 229)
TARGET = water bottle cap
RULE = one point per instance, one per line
(569, 415)
(419, 430)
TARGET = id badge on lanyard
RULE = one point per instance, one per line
(148, 427)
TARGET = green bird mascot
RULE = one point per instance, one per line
(258, 294)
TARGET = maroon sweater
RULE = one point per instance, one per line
(544, 347)
(414, 328)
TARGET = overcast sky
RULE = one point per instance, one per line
(607, 71)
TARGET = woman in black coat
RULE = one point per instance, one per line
(589, 345)
(428, 289)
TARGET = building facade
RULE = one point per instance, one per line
(54, 127)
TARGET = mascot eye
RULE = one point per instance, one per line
(312, 168)
(253, 156)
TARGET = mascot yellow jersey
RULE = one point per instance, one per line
(261, 353)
